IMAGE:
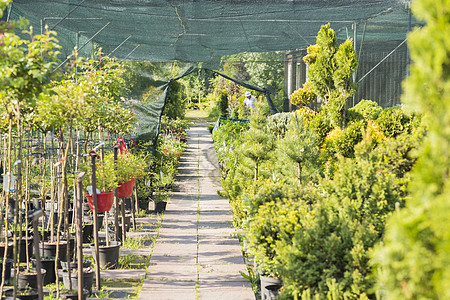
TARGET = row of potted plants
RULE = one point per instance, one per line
(51, 118)
(312, 191)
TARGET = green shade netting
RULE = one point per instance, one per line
(203, 31)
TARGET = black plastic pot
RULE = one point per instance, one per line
(74, 265)
(160, 206)
(49, 265)
(10, 250)
(23, 294)
(88, 233)
(26, 279)
(108, 255)
(23, 244)
(49, 249)
(8, 267)
(87, 279)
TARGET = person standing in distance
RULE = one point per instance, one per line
(249, 102)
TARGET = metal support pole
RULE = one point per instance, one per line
(68, 14)
(130, 52)
(9, 12)
(79, 231)
(87, 42)
(120, 45)
(94, 200)
(408, 59)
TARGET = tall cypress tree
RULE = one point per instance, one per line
(414, 261)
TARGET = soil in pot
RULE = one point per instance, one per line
(23, 294)
(108, 255)
(27, 279)
(88, 279)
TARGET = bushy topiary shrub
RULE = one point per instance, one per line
(265, 191)
(303, 96)
(306, 113)
(333, 240)
(394, 121)
(365, 109)
(342, 142)
(321, 125)
(274, 220)
(352, 135)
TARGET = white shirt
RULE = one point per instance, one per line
(250, 103)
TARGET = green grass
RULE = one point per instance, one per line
(192, 115)
(135, 262)
(138, 242)
(132, 286)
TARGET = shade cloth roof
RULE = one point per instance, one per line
(205, 30)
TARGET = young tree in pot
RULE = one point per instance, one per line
(26, 69)
(258, 143)
(300, 145)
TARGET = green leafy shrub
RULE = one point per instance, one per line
(394, 121)
(227, 140)
(365, 109)
(175, 106)
(299, 147)
(223, 103)
(277, 124)
(342, 142)
(105, 173)
(303, 96)
(258, 143)
(267, 190)
(306, 113)
(131, 166)
(348, 219)
(321, 125)
(330, 73)
(274, 219)
(413, 262)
